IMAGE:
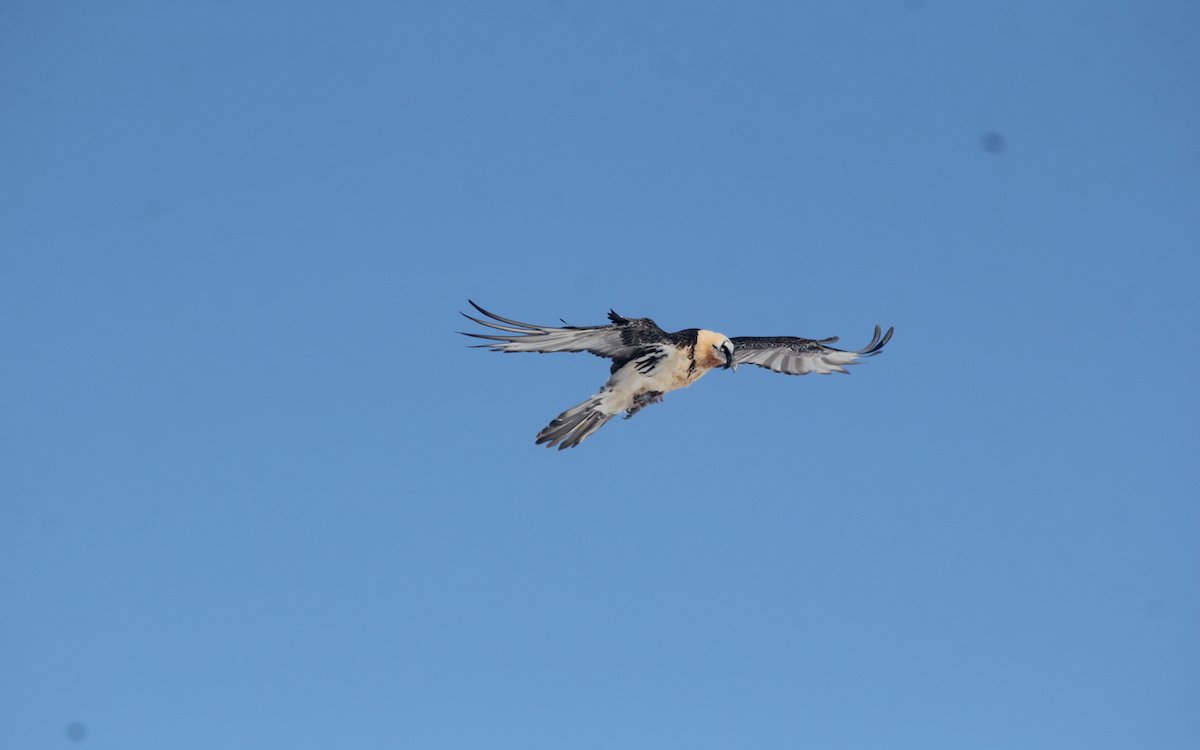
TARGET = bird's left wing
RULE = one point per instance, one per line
(797, 356)
(620, 340)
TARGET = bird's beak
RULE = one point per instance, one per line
(729, 363)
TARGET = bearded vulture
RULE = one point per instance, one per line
(648, 362)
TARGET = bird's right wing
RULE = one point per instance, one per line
(620, 340)
(797, 356)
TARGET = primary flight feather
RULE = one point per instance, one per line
(648, 362)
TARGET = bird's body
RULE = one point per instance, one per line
(643, 380)
(648, 362)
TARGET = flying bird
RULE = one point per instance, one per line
(648, 362)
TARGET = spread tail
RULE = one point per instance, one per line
(570, 428)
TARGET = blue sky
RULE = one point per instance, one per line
(257, 493)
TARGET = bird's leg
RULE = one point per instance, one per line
(642, 400)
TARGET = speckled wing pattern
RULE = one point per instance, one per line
(796, 356)
(620, 341)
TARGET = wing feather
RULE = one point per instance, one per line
(798, 356)
(623, 338)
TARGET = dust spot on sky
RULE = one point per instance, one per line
(150, 210)
(76, 731)
(993, 143)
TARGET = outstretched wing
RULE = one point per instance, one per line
(621, 340)
(797, 356)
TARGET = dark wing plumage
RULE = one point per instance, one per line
(620, 340)
(796, 356)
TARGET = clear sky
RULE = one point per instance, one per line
(257, 493)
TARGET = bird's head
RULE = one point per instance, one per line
(717, 350)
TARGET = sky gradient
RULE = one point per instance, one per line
(256, 492)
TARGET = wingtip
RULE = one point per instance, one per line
(879, 340)
(886, 336)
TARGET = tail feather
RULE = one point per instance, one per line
(572, 427)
